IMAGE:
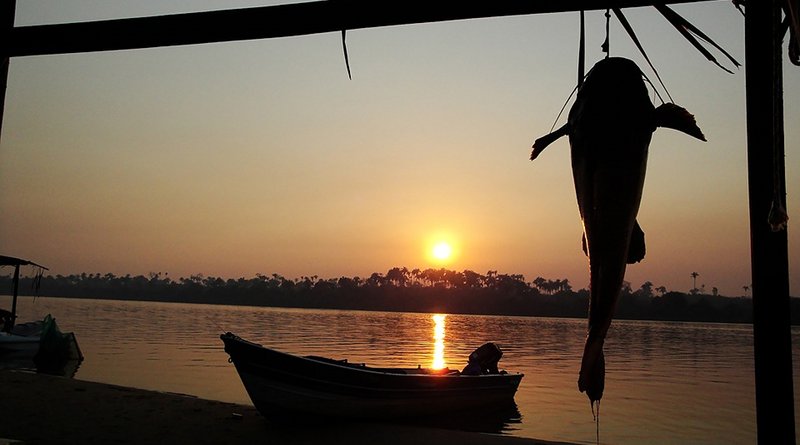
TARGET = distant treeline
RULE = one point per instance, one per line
(400, 289)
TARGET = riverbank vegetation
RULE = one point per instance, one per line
(401, 289)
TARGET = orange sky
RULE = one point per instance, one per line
(262, 157)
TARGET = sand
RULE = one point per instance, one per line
(42, 409)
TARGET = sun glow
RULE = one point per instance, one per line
(442, 251)
(442, 248)
(438, 342)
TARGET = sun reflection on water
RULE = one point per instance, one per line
(438, 341)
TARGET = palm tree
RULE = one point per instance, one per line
(472, 279)
(647, 289)
(397, 277)
(416, 275)
(540, 283)
(694, 281)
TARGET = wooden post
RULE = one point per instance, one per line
(14, 298)
(7, 12)
(769, 251)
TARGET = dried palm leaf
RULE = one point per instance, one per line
(689, 32)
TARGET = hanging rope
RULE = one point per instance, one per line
(581, 69)
(582, 52)
(791, 10)
(778, 218)
(36, 282)
(629, 29)
(794, 48)
(605, 45)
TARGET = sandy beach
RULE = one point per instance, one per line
(42, 409)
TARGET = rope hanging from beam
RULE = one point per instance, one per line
(346, 58)
(605, 45)
(629, 29)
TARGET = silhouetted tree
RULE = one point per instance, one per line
(376, 280)
(472, 280)
(646, 290)
(694, 282)
(397, 277)
(431, 289)
(540, 283)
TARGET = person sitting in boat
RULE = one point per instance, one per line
(484, 360)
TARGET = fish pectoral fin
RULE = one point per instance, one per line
(636, 248)
(540, 144)
(676, 117)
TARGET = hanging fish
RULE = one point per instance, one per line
(609, 128)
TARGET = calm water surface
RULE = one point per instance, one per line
(666, 383)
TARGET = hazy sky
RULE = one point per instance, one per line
(262, 157)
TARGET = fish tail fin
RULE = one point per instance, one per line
(676, 117)
(540, 144)
(592, 376)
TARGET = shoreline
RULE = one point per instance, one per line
(579, 315)
(43, 409)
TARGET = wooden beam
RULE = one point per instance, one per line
(274, 21)
(772, 343)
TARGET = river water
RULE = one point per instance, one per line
(666, 382)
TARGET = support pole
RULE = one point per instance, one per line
(14, 298)
(769, 251)
(7, 12)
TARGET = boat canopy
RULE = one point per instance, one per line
(11, 261)
(8, 318)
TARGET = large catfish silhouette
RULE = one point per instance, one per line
(610, 127)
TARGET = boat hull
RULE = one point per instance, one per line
(283, 386)
(41, 346)
(18, 344)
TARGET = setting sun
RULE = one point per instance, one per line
(442, 251)
(442, 248)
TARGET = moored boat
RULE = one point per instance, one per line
(38, 343)
(20, 344)
(283, 385)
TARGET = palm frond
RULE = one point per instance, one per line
(346, 58)
(629, 29)
(689, 32)
(792, 10)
